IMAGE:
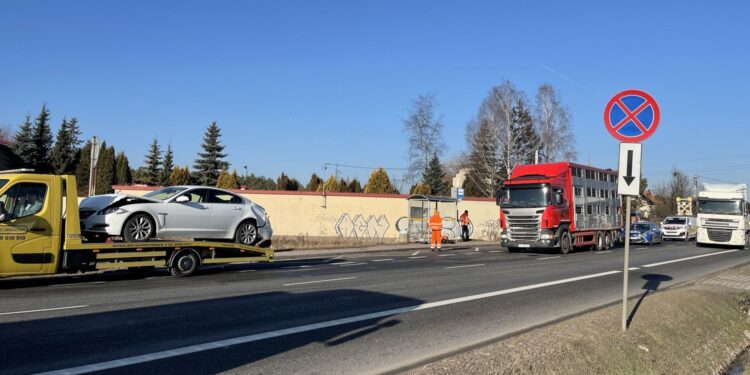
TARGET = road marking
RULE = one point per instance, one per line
(633, 268)
(419, 257)
(86, 283)
(343, 263)
(548, 258)
(447, 255)
(305, 266)
(688, 258)
(416, 252)
(129, 361)
(640, 248)
(43, 310)
(246, 271)
(671, 245)
(474, 253)
(352, 264)
(383, 260)
(332, 259)
(602, 252)
(320, 281)
(464, 266)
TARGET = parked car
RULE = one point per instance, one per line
(178, 211)
(645, 232)
(682, 228)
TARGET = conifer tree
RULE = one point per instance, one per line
(379, 183)
(123, 175)
(354, 186)
(211, 160)
(65, 152)
(82, 169)
(22, 141)
(420, 189)
(314, 182)
(179, 176)
(41, 136)
(105, 170)
(434, 177)
(167, 165)
(284, 182)
(153, 164)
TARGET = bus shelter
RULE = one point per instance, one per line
(420, 210)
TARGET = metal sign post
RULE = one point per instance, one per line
(628, 185)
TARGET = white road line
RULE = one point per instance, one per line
(352, 264)
(416, 252)
(128, 361)
(305, 266)
(602, 252)
(671, 245)
(343, 263)
(497, 251)
(548, 258)
(419, 257)
(464, 266)
(633, 268)
(86, 283)
(320, 281)
(447, 255)
(474, 253)
(332, 259)
(640, 248)
(247, 271)
(43, 310)
(383, 260)
(688, 258)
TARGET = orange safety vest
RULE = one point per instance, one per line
(464, 219)
(436, 223)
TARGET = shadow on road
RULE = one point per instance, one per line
(78, 340)
(653, 281)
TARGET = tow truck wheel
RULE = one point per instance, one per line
(184, 264)
(138, 228)
(565, 243)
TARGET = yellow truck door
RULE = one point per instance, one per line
(25, 227)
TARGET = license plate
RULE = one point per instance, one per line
(524, 245)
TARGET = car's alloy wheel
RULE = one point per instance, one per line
(138, 228)
(247, 233)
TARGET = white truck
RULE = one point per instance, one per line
(723, 215)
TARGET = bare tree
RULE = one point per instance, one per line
(679, 186)
(552, 120)
(425, 133)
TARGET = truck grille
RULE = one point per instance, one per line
(722, 223)
(523, 228)
(718, 235)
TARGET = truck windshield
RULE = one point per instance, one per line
(2, 183)
(726, 207)
(166, 193)
(675, 221)
(524, 196)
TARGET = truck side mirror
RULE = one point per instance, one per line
(559, 198)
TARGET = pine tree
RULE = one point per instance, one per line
(123, 176)
(82, 169)
(523, 126)
(210, 161)
(153, 164)
(179, 176)
(65, 152)
(332, 185)
(354, 186)
(41, 136)
(167, 165)
(434, 177)
(284, 182)
(224, 181)
(314, 183)
(254, 182)
(22, 141)
(105, 170)
(420, 189)
(379, 183)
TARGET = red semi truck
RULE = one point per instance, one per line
(559, 206)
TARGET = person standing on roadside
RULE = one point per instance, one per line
(465, 225)
(436, 227)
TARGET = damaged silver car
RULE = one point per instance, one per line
(196, 212)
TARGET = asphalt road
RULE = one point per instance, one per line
(366, 313)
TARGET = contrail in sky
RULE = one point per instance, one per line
(545, 67)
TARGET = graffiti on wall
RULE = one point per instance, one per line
(359, 227)
(490, 230)
(327, 222)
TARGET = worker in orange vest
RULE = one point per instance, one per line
(436, 226)
(465, 225)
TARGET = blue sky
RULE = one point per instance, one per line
(297, 84)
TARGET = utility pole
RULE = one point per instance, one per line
(92, 165)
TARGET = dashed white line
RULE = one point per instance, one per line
(332, 259)
(464, 266)
(447, 255)
(320, 281)
(343, 263)
(419, 257)
(548, 258)
(383, 260)
(688, 258)
(352, 264)
(416, 253)
(640, 248)
(634, 268)
(85, 283)
(602, 252)
(474, 253)
(176, 352)
(43, 310)
(247, 271)
(497, 251)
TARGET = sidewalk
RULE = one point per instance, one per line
(299, 253)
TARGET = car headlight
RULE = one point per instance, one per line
(112, 210)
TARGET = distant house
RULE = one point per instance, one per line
(8, 160)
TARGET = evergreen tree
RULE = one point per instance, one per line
(105, 170)
(153, 164)
(22, 141)
(420, 189)
(379, 183)
(123, 176)
(210, 161)
(332, 185)
(286, 183)
(179, 176)
(82, 169)
(167, 165)
(224, 181)
(41, 136)
(314, 182)
(523, 126)
(434, 177)
(65, 152)
(354, 186)
(254, 182)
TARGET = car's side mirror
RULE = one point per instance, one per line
(182, 199)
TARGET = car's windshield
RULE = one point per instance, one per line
(640, 227)
(675, 220)
(524, 196)
(166, 193)
(3, 182)
(727, 207)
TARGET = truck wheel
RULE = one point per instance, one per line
(246, 234)
(608, 240)
(566, 243)
(138, 228)
(184, 264)
(599, 245)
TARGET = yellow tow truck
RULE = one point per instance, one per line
(40, 234)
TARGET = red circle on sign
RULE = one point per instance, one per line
(630, 116)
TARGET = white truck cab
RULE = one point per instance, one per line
(723, 215)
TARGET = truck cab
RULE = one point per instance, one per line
(723, 215)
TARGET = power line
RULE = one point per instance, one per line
(362, 167)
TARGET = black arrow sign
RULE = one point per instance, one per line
(629, 176)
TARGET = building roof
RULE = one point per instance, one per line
(431, 198)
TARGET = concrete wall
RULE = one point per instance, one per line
(348, 216)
